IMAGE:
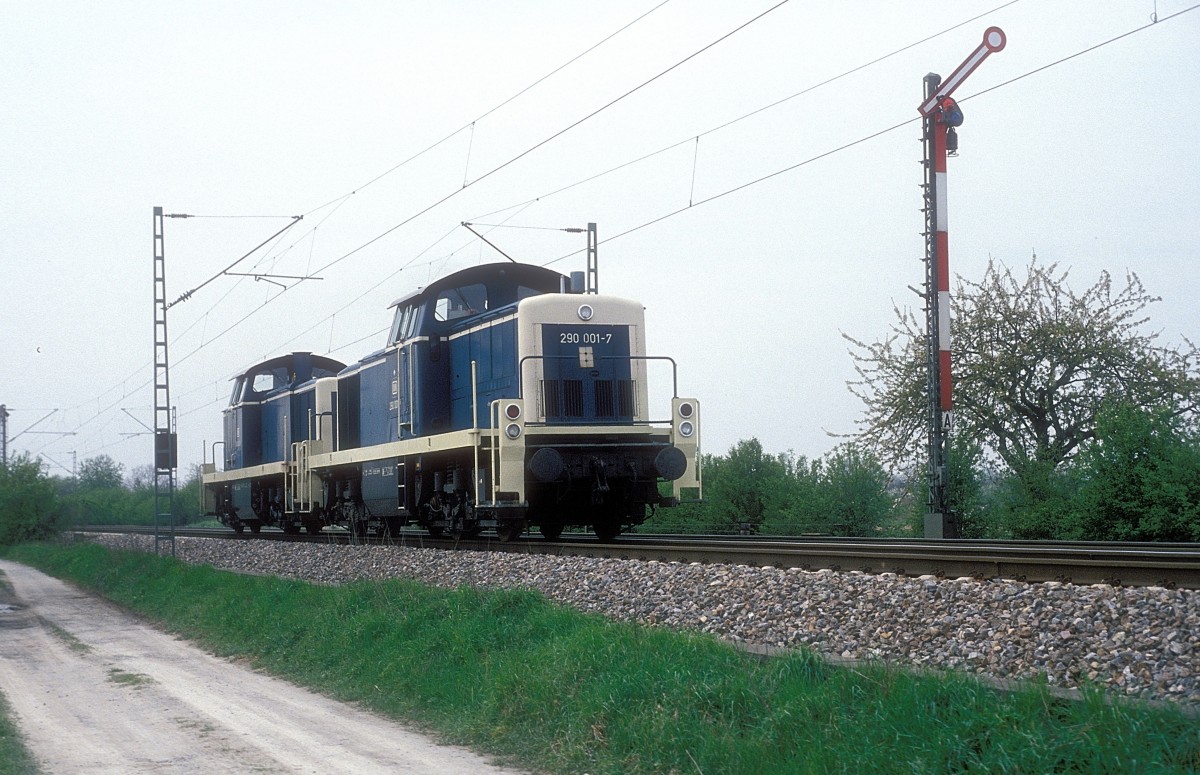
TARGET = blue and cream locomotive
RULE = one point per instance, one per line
(505, 398)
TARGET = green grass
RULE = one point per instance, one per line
(14, 757)
(131, 680)
(68, 640)
(558, 691)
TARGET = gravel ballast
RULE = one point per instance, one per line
(1142, 641)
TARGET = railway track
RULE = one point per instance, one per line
(1122, 564)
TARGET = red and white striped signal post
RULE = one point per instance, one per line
(942, 115)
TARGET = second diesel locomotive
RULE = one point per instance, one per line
(505, 398)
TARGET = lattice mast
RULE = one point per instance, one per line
(939, 139)
(165, 444)
(593, 260)
(3, 436)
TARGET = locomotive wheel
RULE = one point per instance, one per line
(254, 528)
(238, 527)
(291, 528)
(315, 522)
(509, 531)
(607, 531)
(390, 527)
(550, 532)
(435, 532)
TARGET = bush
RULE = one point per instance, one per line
(856, 488)
(749, 490)
(1143, 478)
(29, 507)
(1041, 504)
(110, 506)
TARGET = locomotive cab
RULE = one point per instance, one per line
(276, 410)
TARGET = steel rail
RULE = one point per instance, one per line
(1121, 564)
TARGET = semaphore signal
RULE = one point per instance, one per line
(942, 117)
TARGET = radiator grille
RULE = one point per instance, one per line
(614, 398)
(563, 398)
(572, 397)
(604, 398)
(609, 399)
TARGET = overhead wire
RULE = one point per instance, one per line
(743, 186)
(756, 111)
(470, 124)
(669, 215)
(874, 135)
(529, 150)
(1153, 23)
(341, 200)
(188, 294)
(100, 412)
(551, 137)
(127, 392)
(407, 265)
(727, 192)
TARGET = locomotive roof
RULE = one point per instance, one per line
(317, 361)
(528, 275)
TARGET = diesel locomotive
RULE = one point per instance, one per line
(506, 398)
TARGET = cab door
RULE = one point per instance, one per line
(402, 391)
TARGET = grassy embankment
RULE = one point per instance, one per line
(559, 691)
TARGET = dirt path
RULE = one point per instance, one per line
(94, 690)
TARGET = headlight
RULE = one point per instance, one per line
(585, 312)
(513, 431)
(512, 411)
(686, 429)
(685, 410)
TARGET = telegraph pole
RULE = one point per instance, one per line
(942, 117)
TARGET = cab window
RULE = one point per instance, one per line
(400, 323)
(404, 324)
(267, 381)
(238, 384)
(461, 302)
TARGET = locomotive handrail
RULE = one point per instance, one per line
(319, 436)
(475, 425)
(674, 367)
(494, 449)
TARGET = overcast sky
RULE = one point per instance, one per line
(285, 108)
